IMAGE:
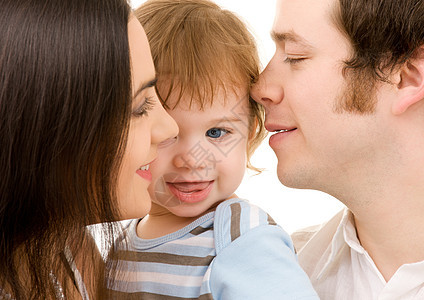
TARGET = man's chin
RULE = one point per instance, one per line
(296, 179)
(286, 179)
(287, 183)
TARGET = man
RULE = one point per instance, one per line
(344, 95)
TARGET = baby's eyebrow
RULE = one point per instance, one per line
(226, 119)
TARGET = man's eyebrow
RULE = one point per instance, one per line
(289, 37)
(144, 86)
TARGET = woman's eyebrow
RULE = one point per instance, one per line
(146, 85)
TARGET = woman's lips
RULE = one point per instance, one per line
(144, 172)
(191, 192)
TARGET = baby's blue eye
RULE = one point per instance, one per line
(216, 133)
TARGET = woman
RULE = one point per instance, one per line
(79, 125)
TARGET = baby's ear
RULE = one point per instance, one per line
(411, 83)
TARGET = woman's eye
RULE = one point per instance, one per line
(143, 110)
(216, 133)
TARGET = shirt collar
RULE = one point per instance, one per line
(407, 277)
(345, 236)
(350, 235)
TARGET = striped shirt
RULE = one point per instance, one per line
(235, 252)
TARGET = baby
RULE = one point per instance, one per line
(199, 240)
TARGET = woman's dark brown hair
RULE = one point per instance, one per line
(65, 105)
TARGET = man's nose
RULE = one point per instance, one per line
(268, 90)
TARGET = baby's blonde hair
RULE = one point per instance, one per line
(198, 48)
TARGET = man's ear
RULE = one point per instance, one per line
(411, 84)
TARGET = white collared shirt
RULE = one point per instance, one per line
(340, 268)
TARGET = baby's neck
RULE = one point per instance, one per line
(160, 222)
(152, 226)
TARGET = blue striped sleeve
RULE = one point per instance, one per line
(255, 257)
(236, 217)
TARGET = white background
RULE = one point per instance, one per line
(292, 209)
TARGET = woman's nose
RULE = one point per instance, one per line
(165, 126)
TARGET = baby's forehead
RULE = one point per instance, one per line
(188, 97)
(229, 101)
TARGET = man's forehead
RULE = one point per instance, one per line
(295, 20)
(288, 11)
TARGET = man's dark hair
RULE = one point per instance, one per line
(384, 33)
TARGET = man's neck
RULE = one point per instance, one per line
(392, 230)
